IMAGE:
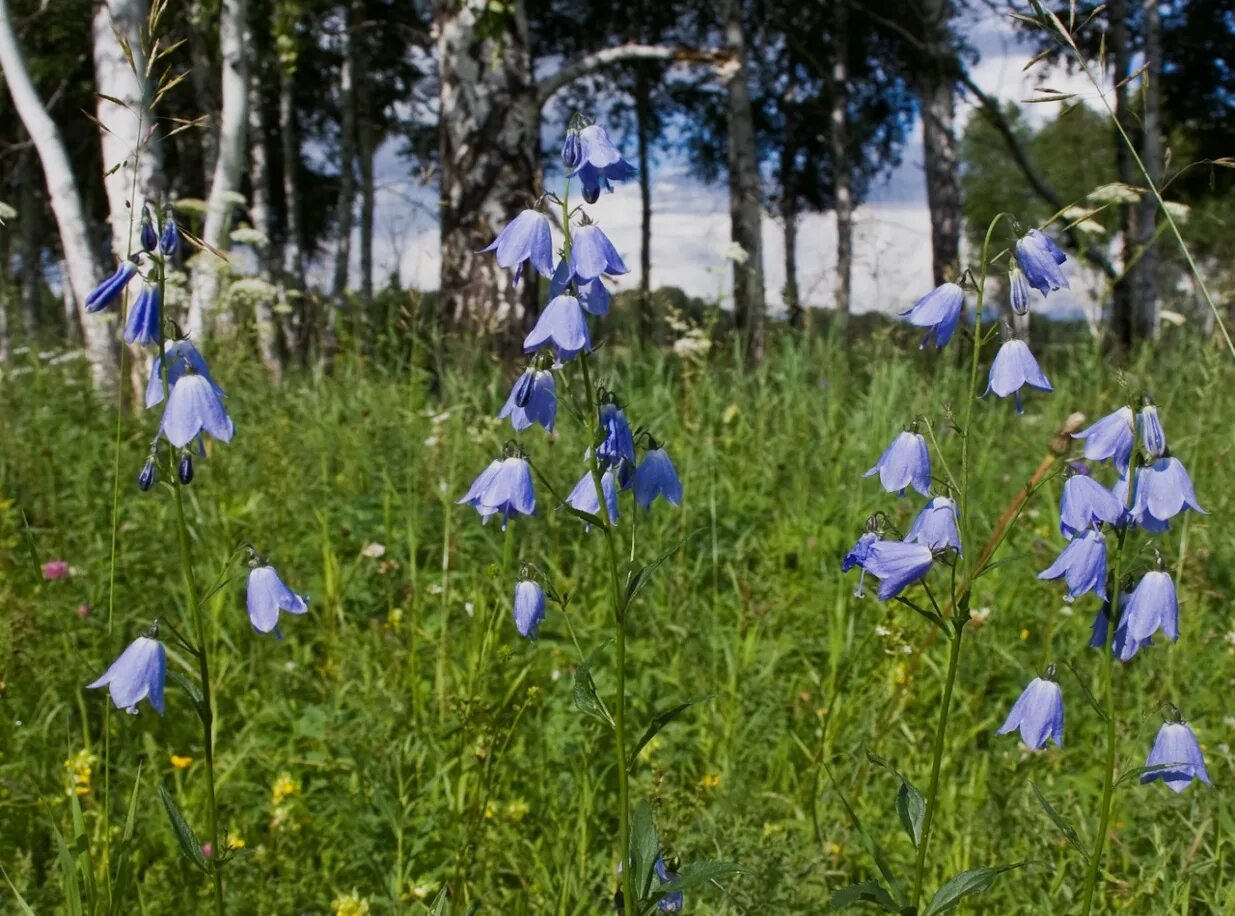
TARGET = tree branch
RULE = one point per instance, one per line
(547, 87)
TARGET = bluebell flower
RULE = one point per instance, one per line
(594, 297)
(1153, 605)
(138, 674)
(592, 254)
(142, 325)
(562, 324)
(267, 595)
(905, 462)
(599, 162)
(1178, 752)
(656, 476)
(617, 444)
(526, 237)
(110, 289)
(935, 525)
(169, 240)
(1111, 437)
(673, 901)
(857, 556)
(1152, 435)
(181, 357)
(1086, 502)
(1163, 490)
(939, 310)
(194, 407)
(1040, 258)
(1037, 713)
(572, 150)
(148, 237)
(583, 496)
(1018, 288)
(1082, 565)
(1014, 367)
(1123, 646)
(897, 564)
(533, 399)
(529, 607)
(504, 487)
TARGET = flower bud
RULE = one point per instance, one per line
(185, 470)
(148, 475)
(572, 149)
(149, 238)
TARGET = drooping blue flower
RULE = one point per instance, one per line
(897, 564)
(1111, 437)
(194, 407)
(1153, 605)
(562, 324)
(572, 150)
(1037, 714)
(939, 310)
(583, 496)
(1152, 436)
(1018, 288)
(1123, 646)
(142, 325)
(592, 254)
(110, 289)
(1086, 502)
(526, 237)
(1040, 259)
(1163, 490)
(533, 399)
(529, 607)
(1178, 752)
(599, 162)
(935, 525)
(169, 240)
(657, 477)
(266, 595)
(857, 556)
(594, 297)
(148, 237)
(905, 462)
(1082, 565)
(505, 488)
(182, 357)
(1015, 367)
(138, 674)
(673, 901)
(617, 443)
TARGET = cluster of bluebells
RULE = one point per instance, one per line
(194, 409)
(576, 292)
(1151, 488)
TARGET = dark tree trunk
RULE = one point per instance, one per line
(936, 91)
(745, 203)
(1151, 155)
(838, 139)
(259, 177)
(31, 248)
(292, 273)
(489, 133)
(643, 117)
(1124, 306)
(364, 163)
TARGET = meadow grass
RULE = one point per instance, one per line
(402, 735)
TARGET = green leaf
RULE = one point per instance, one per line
(440, 905)
(641, 576)
(660, 720)
(966, 884)
(189, 843)
(21, 903)
(81, 856)
(68, 875)
(1064, 827)
(644, 848)
(181, 680)
(1093, 701)
(872, 845)
(587, 701)
(120, 885)
(698, 873)
(866, 892)
(911, 807)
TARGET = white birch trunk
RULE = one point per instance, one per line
(228, 167)
(81, 265)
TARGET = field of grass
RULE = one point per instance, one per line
(402, 736)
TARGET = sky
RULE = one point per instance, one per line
(690, 221)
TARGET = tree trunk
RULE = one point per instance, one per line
(1151, 155)
(488, 159)
(643, 122)
(233, 153)
(81, 264)
(936, 89)
(365, 152)
(132, 160)
(793, 300)
(207, 99)
(260, 210)
(347, 159)
(745, 205)
(838, 139)
(1124, 308)
(29, 208)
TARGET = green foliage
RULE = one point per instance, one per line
(402, 737)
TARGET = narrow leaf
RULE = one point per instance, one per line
(181, 680)
(189, 843)
(966, 884)
(21, 903)
(872, 845)
(644, 848)
(660, 720)
(1057, 819)
(640, 577)
(120, 885)
(911, 807)
(587, 701)
(440, 906)
(699, 873)
(866, 892)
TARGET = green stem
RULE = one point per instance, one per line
(941, 728)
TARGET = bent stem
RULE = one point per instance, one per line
(957, 623)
